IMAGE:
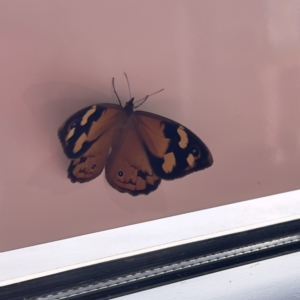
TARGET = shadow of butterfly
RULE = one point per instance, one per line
(138, 149)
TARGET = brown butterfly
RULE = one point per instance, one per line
(137, 148)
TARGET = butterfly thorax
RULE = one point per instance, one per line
(129, 106)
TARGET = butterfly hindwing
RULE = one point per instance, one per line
(173, 150)
(128, 168)
(87, 137)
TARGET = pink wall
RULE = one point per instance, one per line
(231, 73)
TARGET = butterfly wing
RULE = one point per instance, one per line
(87, 137)
(128, 168)
(173, 150)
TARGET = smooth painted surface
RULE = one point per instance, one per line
(275, 279)
(231, 73)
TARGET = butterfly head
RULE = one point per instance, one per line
(129, 106)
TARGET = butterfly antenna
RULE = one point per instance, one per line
(144, 99)
(128, 84)
(113, 84)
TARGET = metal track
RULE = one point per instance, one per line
(124, 276)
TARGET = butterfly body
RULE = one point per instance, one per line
(136, 148)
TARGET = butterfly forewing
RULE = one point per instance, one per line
(173, 150)
(83, 128)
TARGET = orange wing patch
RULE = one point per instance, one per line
(151, 132)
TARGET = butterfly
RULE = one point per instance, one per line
(137, 149)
